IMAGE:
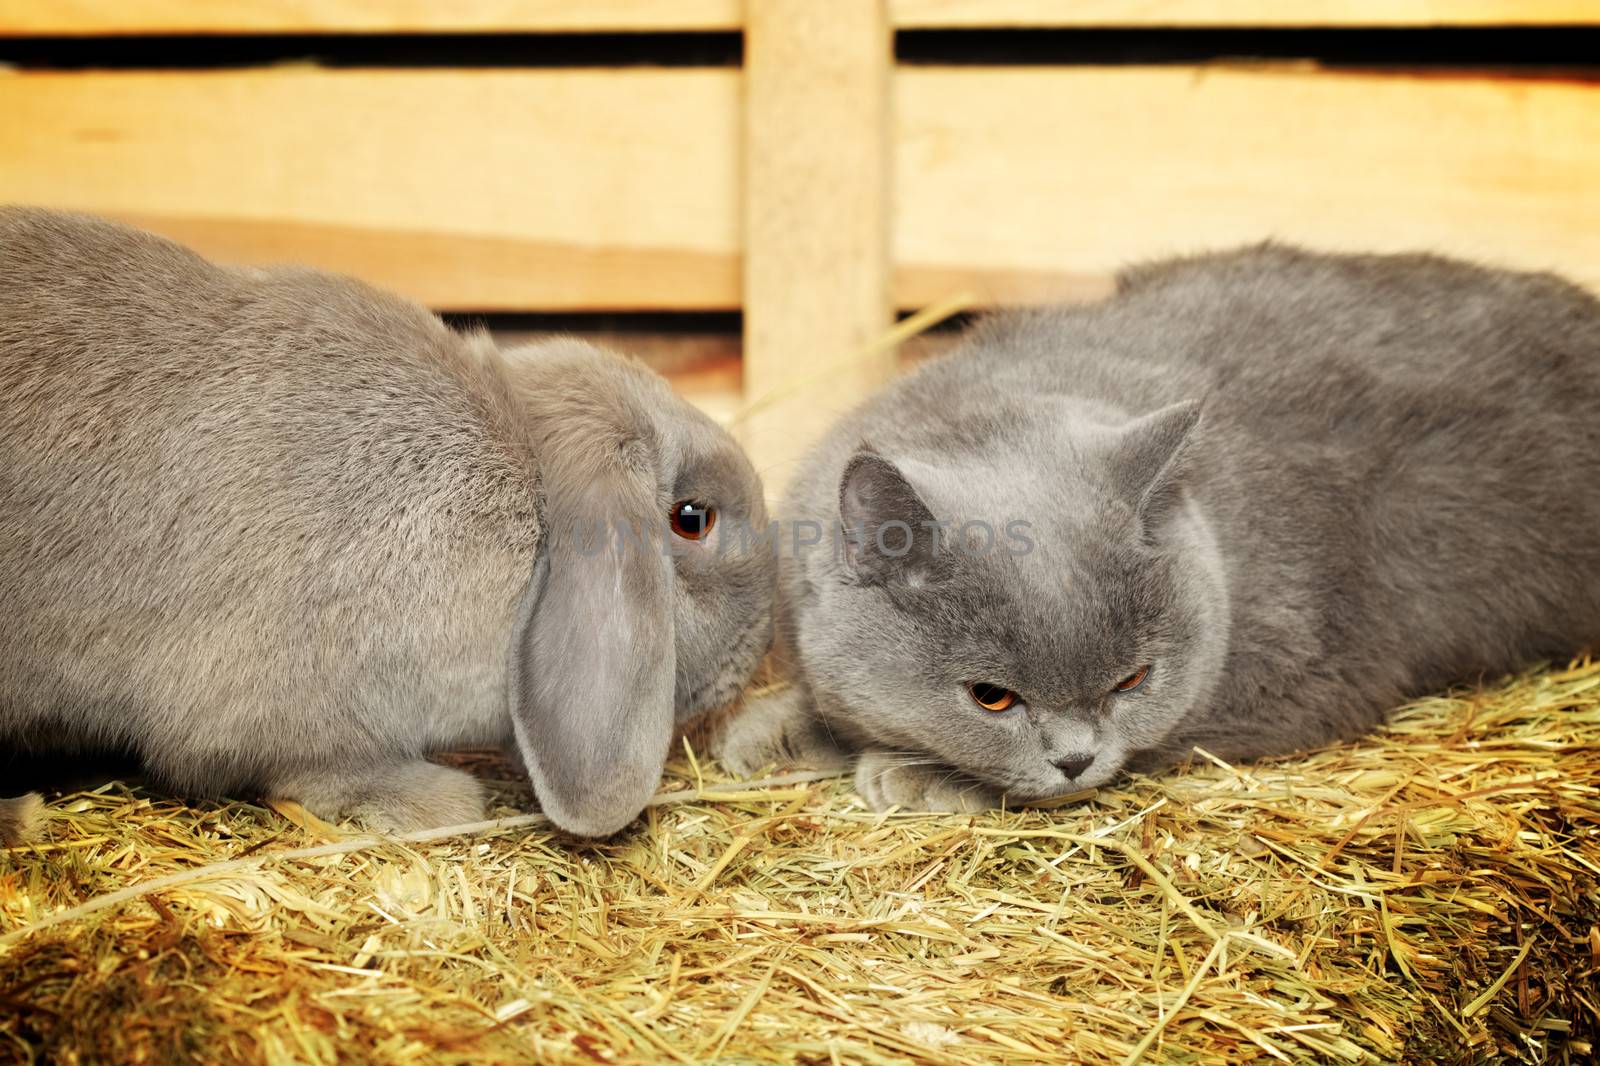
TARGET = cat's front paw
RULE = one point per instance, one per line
(780, 729)
(886, 780)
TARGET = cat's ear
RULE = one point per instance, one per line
(889, 533)
(1149, 461)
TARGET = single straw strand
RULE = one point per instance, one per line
(899, 333)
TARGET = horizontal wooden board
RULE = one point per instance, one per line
(948, 14)
(478, 190)
(112, 17)
(109, 17)
(1018, 184)
(578, 189)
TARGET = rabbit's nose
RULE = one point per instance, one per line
(1073, 765)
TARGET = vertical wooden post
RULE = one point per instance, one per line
(816, 218)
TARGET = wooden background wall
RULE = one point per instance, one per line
(818, 185)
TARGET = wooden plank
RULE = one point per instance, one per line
(1021, 185)
(87, 18)
(816, 157)
(112, 17)
(117, 17)
(1026, 183)
(971, 14)
(478, 190)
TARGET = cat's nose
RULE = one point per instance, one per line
(1073, 765)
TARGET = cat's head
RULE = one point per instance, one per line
(1033, 621)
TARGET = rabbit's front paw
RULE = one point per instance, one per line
(396, 798)
(21, 819)
(776, 730)
(885, 780)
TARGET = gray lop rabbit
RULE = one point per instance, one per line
(1246, 504)
(275, 530)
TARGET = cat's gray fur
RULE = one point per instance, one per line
(1304, 487)
(277, 531)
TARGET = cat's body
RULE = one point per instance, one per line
(1393, 484)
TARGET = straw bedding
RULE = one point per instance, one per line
(1429, 894)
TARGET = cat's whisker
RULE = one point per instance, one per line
(907, 759)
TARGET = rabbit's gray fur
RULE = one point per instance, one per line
(276, 530)
(1304, 487)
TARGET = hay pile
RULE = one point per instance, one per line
(1431, 894)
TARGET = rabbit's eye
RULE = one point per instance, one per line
(1133, 680)
(991, 697)
(692, 520)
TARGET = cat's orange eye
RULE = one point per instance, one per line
(692, 519)
(1134, 680)
(990, 697)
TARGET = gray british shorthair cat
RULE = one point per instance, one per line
(1268, 494)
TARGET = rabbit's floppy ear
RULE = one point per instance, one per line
(592, 679)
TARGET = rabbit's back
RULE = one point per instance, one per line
(274, 503)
